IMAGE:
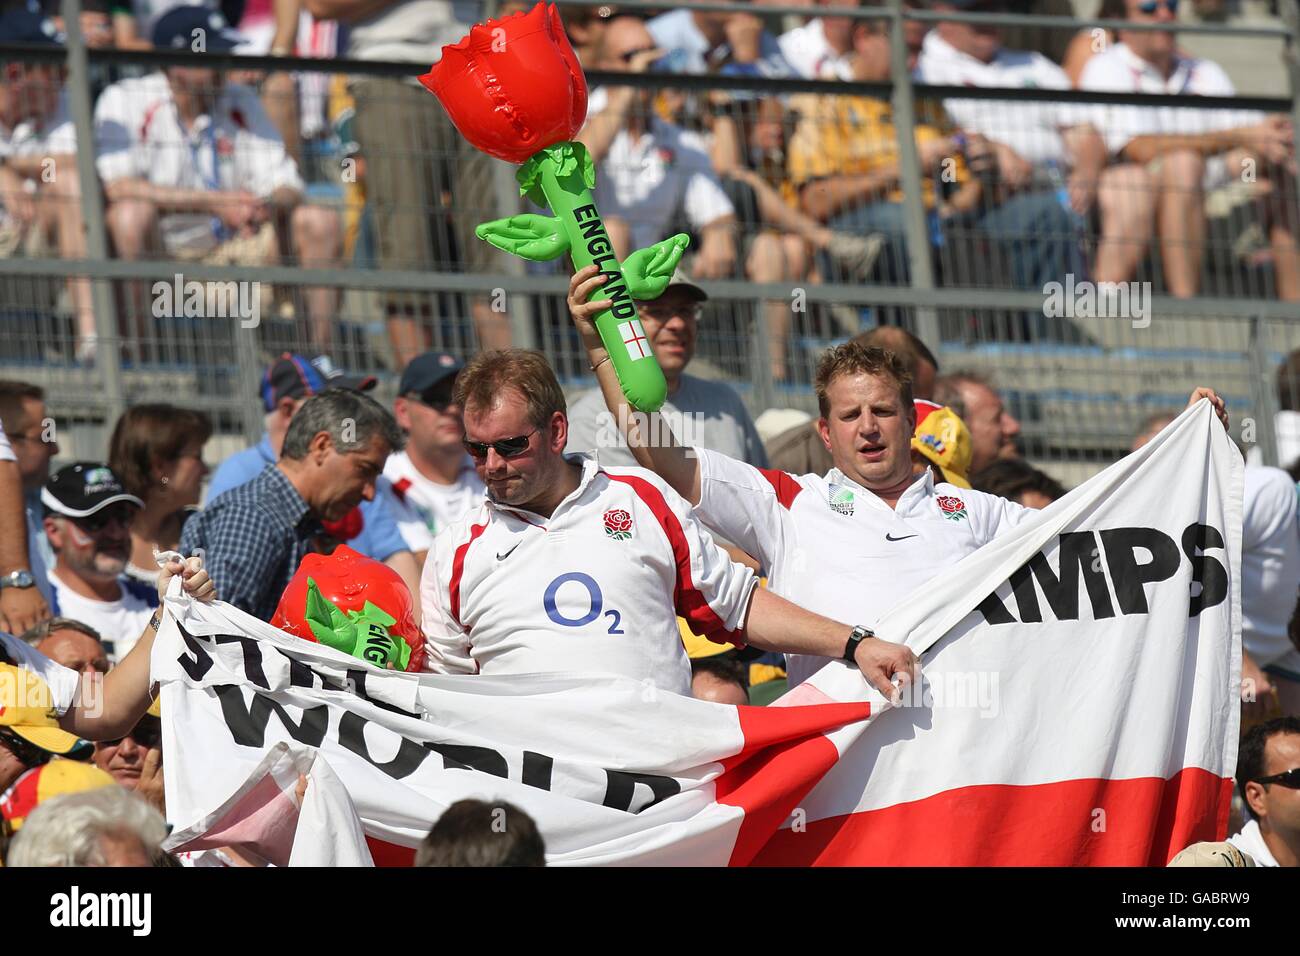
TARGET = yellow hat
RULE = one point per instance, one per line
(54, 779)
(27, 710)
(943, 439)
(697, 646)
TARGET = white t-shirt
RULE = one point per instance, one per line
(651, 181)
(1032, 128)
(834, 547)
(6, 449)
(1270, 566)
(62, 681)
(119, 622)
(1120, 70)
(805, 48)
(1251, 841)
(595, 588)
(51, 136)
(139, 134)
(425, 507)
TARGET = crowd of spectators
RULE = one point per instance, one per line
(215, 165)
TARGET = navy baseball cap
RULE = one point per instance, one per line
(426, 371)
(81, 489)
(293, 376)
(29, 25)
(180, 27)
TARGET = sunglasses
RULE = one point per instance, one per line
(663, 313)
(439, 398)
(1288, 778)
(94, 524)
(146, 736)
(507, 448)
(1149, 9)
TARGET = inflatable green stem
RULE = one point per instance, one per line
(562, 176)
(362, 634)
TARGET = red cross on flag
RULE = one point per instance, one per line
(633, 336)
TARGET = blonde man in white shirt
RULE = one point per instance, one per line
(194, 169)
(570, 567)
(649, 170)
(1173, 157)
(849, 544)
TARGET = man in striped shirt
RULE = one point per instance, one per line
(570, 567)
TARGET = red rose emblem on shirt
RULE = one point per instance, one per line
(618, 524)
(954, 509)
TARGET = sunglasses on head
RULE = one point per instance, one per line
(1151, 6)
(1287, 778)
(507, 447)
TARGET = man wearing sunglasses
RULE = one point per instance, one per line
(1180, 164)
(1268, 778)
(88, 518)
(432, 480)
(710, 410)
(135, 761)
(571, 567)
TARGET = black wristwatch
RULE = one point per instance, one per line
(856, 637)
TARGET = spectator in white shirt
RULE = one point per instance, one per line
(1268, 778)
(40, 193)
(193, 168)
(1173, 156)
(823, 47)
(698, 41)
(88, 519)
(1041, 147)
(432, 479)
(650, 172)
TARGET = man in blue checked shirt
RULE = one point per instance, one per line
(289, 381)
(253, 537)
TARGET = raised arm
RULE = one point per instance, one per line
(667, 457)
(122, 696)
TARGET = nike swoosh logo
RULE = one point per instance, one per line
(502, 557)
(890, 537)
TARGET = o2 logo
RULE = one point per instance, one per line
(594, 609)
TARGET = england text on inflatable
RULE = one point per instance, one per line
(353, 604)
(515, 89)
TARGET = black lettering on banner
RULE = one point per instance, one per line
(409, 754)
(994, 611)
(201, 663)
(1075, 553)
(537, 770)
(357, 678)
(247, 722)
(466, 757)
(252, 649)
(1129, 577)
(620, 789)
(1208, 572)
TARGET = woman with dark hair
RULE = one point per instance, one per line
(157, 451)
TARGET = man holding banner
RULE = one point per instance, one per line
(571, 567)
(848, 544)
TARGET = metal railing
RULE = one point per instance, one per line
(1078, 384)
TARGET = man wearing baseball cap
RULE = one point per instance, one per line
(193, 168)
(710, 411)
(88, 517)
(433, 479)
(28, 738)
